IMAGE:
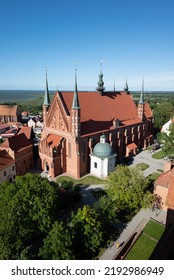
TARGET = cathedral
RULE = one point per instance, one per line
(75, 121)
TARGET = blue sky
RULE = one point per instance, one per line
(133, 38)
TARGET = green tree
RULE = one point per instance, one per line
(168, 141)
(59, 243)
(79, 238)
(126, 193)
(87, 233)
(28, 208)
(162, 113)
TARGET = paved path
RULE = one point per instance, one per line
(146, 157)
(139, 220)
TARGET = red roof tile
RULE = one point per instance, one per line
(147, 111)
(5, 159)
(27, 131)
(132, 146)
(166, 180)
(98, 112)
(16, 142)
(8, 110)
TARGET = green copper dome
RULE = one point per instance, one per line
(103, 149)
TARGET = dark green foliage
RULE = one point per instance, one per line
(126, 194)
(162, 113)
(168, 141)
(59, 243)
(27, 209)
(80, 238)
(87, 233)
(66, 184)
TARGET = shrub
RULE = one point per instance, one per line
(66, 184)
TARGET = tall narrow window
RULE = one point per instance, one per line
(95, 164)
(69, 149)
(83, 151)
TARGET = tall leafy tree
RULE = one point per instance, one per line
(27, 210)
(58, 245)
(162, 113)
(79, 238)
(87, 233)
(126, 193)
(168, 140)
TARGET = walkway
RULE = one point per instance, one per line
(146, 157)
(140, 219)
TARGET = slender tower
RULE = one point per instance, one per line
(126, 88)
(75, 111)
(114, 86)
(46, 103)
(141, 103)
(100, 84)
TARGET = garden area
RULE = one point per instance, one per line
(147, 242)
(86, 180)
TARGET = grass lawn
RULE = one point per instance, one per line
(154, 229)
(159, 155)
(153, 176)
(147, 242)
(142, 166)
(87, 180)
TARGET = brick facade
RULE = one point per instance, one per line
(79, 129)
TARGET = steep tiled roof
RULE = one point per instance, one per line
(132, 146)
(16, 142)
(147, 111)
(166, 180)
(8, 110)
(27, 131)
(98, 112)
(5, 159)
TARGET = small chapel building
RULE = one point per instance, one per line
(103, 159)
(75, 121)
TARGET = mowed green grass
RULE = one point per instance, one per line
(147, 242)
(154, 229)
(87, 180)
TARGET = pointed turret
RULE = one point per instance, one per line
(141, 103)
(46, 103)
(100, 83)
(75, 111)
(126, 88)
(75, 104)
(47, 96)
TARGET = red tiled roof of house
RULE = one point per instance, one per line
(5, 159)
(98, 112)
(147, 111)
(16, 142)
(132, 146)
(8, 110)
(53, 140)
(166, 180)
(27, 131)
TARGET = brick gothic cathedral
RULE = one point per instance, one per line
(74, 122)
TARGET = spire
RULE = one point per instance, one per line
(141, 101)
(47, 96)
(100, 83)
(114, 84)
(126, 88)
(75, 104)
